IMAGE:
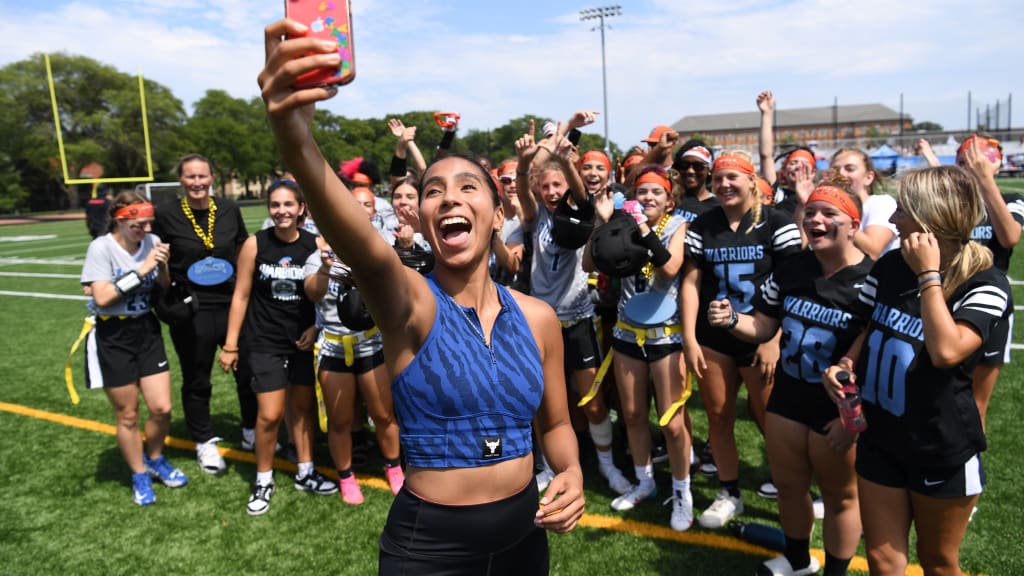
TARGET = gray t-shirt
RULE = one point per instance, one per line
(107, 260)
(331, 328)
(556, 275)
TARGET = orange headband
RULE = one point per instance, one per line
(631, 160)
(134, 211)
(507, 166)
(596, 156)
(766, 189)
(653, 177)
(836, 197)
(731, 162)
(802, 154)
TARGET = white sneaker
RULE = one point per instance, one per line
(723, 509)
(636, 494)
(616, 481)
(682, 510)
(544, 477)
(779, 566)
(210, 460)
(768, 490)
(249, 441)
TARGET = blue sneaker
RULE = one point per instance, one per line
(162, 470)
(142, 489)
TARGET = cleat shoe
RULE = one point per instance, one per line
(682, 510)
(768, 490)
(637, 494)
(616, 481)
(396, 478)
(351, 493)
(259, 500)
(544, 477)
(210, 460)
(779, 566)
(316, 483)
(162, 470)
(142, 489)
(723, 509)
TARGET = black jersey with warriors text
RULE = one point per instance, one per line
(734, 263)
(986, 235)
(815, 314)
(915, 411)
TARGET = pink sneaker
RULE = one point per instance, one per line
(396, 478)
(350, 491)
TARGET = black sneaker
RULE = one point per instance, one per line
(707, 462)
(316, 483)
(659, 454)
(259, 500)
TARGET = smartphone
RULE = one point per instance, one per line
(329, 20)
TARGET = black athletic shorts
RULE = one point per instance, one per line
(581, 348)
(121, 351)
(649, 353)
(271, 372)
(802, 402)
(967, 479)
(359, 365)
(497, 538)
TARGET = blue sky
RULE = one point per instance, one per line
(493, 61)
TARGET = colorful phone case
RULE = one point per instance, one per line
(330, 20)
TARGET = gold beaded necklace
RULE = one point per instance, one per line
(648, 269)
(206, 237)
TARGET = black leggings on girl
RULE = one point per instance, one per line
(493, 539)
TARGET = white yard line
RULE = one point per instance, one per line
(14, 261)
(14, 253)
(44, 295)
(39, 275)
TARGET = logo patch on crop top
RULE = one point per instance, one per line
(491, 447)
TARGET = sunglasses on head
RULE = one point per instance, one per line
(282, 182)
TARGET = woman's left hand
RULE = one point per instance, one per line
(562, 505)
(767, 357)
(307, 339)
(920, 251)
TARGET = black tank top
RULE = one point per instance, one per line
(278, 308)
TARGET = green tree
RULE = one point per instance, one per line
(928, 126)
(101, 121)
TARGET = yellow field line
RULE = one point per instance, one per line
(615, 523)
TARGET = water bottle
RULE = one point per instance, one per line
(850, 413)
(759, 534)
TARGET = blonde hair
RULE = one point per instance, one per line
(945, 201)
(755, 211)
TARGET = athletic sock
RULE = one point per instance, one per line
(392, 463)
(836, 566)
(798, 553)
(732, 487)
(265, 478)
(680, 486)
(305, 468)
(644, 474)
(604, 459)
(342, 474)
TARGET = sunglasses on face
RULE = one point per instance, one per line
(506, 179)
(696, 166)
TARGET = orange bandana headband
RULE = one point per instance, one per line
(836, 197)
(631, 160)
(730, 162)
(654, 177)
(596, 156)
(802, 154)
(766, 190)
(134, 211)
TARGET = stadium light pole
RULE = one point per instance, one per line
(600, 14)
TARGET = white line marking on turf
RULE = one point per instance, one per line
(13, 261)
(43, 295)
(78, 245)
(39, 275)
(27, 238)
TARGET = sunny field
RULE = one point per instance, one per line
(65, 503)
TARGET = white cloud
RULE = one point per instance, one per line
(666, 59)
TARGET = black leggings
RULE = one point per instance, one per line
(492, 539)
(196, 343)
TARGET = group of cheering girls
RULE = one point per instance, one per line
(778, 288)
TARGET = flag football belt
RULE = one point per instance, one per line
(642, 334)
(570, 323)
(68, 378)
(348, 342)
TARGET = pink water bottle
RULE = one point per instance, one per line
(850, 414)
